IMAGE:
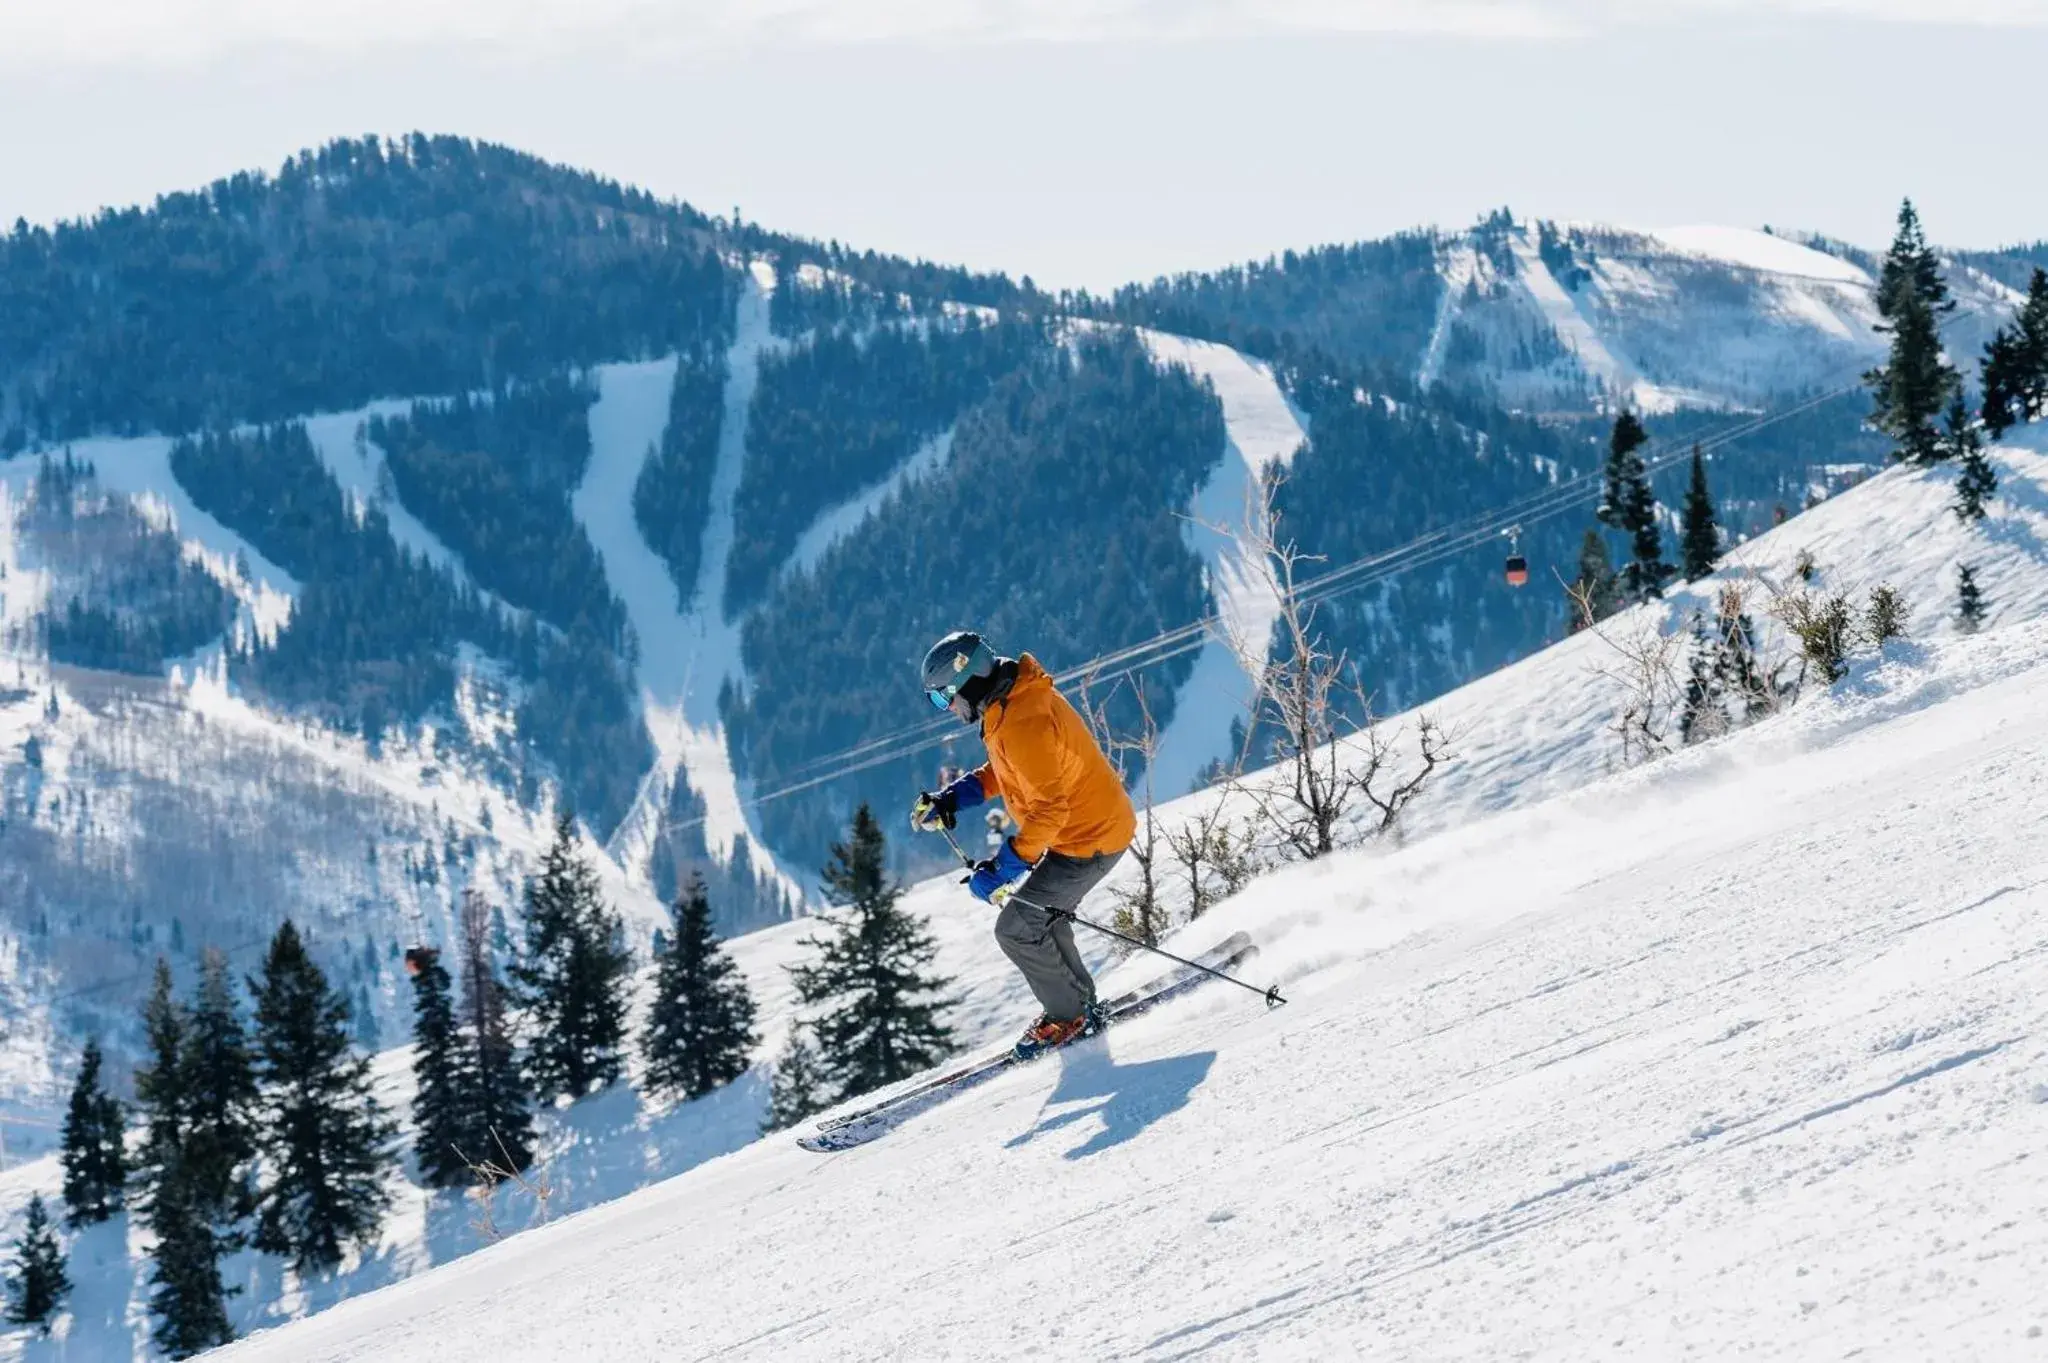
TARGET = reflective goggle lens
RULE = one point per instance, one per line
(941, 700)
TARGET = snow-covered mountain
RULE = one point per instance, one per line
(1606, 1020)
(1567, 318)
(753, 456)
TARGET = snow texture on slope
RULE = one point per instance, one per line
(1754, 250)
(1756, 1024)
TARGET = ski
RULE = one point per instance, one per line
(1225, 950)
(859, 1127)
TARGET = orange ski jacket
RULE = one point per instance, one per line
(1047, 768)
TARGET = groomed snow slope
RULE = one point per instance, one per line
(1738, 1053)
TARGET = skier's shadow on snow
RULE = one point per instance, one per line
(1126, 1099)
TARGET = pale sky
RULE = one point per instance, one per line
(1084, 144)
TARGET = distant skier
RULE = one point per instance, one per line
(1073, 821)
(1000, 826)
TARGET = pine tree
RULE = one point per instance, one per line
(572, 975)
(438, 1096)
(95, 1151)
(1699, 545)
(1702, 716)
(324, 1137)
(1916, 380)
(1630, 506)
(1970, 603)
(219, 1087)
(368, 1035)
(497, 1113)
(1644, 575)
(700, 1028)
(1976, 480)
(1736, 670)
(1595, 590)
(2015, 373)
(798, 1088)
(881, 1019)
(1623, 465)
(187, 1294)
(160, 1084)
(39, 1285)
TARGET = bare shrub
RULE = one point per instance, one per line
(1325, 769)
(1641, 664)
(490, 1173)
(1213, 855)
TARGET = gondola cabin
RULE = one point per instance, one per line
(1518, 567)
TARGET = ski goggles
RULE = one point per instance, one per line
(968, 666)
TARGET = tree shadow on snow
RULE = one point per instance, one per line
(1125, 1099)
(103, 1282)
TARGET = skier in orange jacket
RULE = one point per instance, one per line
(1074, 821)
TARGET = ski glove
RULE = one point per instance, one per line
(931, 812)
(993, 873)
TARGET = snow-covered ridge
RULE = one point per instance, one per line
(1591, 1053)
(1764, 252)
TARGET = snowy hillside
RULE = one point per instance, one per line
(1756, 1024)
(143, 815)
(1582, 1014)
(1557, 315)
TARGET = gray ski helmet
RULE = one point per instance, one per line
(961, 664)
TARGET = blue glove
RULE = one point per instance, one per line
(995, 872)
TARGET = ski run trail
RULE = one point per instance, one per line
(686, 655)
(1224, 525)
(1739, 1053)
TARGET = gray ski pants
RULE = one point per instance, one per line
(1041, 946)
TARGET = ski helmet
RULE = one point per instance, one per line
(959, 667)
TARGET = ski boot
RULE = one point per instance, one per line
(1050, 1033)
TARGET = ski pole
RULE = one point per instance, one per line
(1271, 996)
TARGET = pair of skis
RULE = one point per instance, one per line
(862, 1125)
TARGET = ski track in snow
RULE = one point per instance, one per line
(1736, 1054)
(1262, 430)
(685, 656)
